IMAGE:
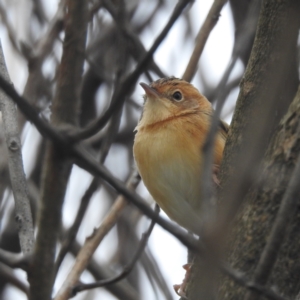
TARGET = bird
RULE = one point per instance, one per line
(168, 144)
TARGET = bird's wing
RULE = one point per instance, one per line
(224, 129)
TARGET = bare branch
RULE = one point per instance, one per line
(93, 242)
(45, 44)
(37, 85)
(89, 164)
(204, 32)
(85, 161)
(71, 233)
(57, 166)
(95, 184)
(126, 86)
(14, 260)
(137, 47)
(10, 30)
(239, 48)
(8, 274)
(121, 289)
(15, 164)
(127, 269)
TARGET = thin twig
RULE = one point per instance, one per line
(31, 113)
(6, 273)
(85, 161)
(138, 49)
(154, 273)
(127, 269)
(39, 12)
(95, 184)
(57, 167)
(10, 30)
(15, 164)
(72, 231)
(43, 47)
(239, 48)
(204, 32)
(128, 84)
(45, 44)
(152, 15)
(14, 260)
(208, 153)
(93, 242)
(121, 290)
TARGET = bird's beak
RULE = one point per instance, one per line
(150, 92)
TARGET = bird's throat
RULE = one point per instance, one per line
(165, 121)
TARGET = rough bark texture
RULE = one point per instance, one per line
(269, 84)
(266, 90)
(273, 48)
(255, 221)
(18, 182)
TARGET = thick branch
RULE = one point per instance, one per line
(267, 88)
(56, 165)
(262, 204)
(15, 164)
(14, 260)
(287, 207)
(85, 161)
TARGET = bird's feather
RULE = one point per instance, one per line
(168, 147)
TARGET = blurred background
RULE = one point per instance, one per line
(31, 33)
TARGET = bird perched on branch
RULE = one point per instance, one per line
(168, 147)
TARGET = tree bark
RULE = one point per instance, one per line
(255, 221)
(18, 182)
(57, 167)
(273, 52)
(267, 88)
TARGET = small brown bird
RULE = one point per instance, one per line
(168, 147)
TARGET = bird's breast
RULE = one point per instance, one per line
(169, 163)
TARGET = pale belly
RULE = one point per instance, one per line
(170, 169)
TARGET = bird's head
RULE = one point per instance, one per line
(170, 97)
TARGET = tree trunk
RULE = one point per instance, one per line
(260, 101)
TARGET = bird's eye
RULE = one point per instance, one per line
(177, 96)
